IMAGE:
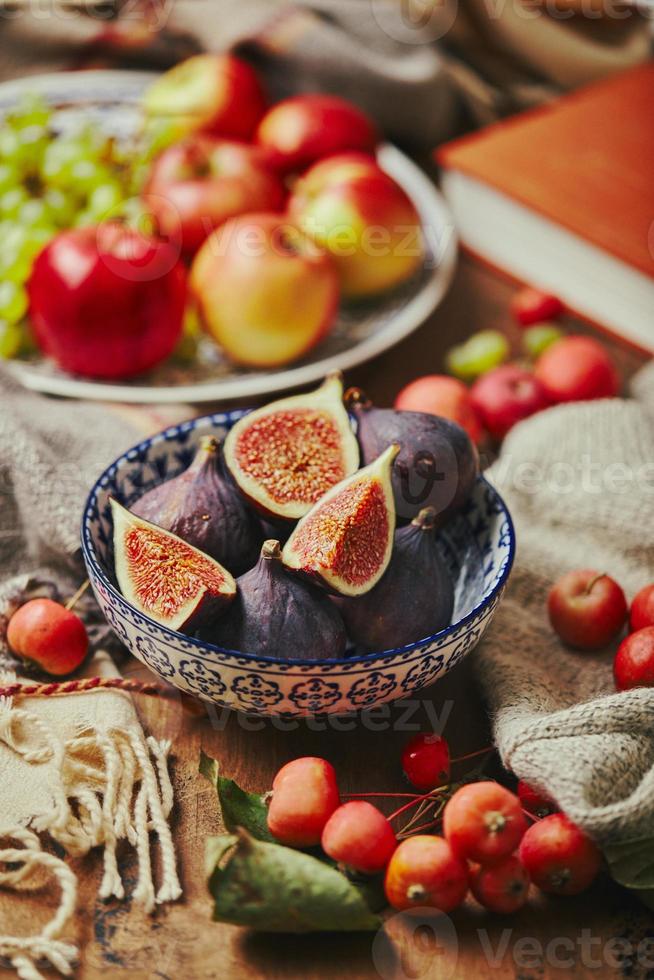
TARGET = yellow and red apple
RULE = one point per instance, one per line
(367, 223)
(199, 183)
(214, 93)
(265, 292)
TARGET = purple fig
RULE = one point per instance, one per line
(414, 598)
(278, 615)
(437, 465)
(204, 508)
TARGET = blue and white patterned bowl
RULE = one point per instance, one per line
(478, 546)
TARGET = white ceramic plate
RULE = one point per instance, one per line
(361, 332)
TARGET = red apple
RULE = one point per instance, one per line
(265, 292)
(107, 301)
(577, 368)
(533, 305)
(634, 662)
(506, 395)
(438, 394)
(50, 635)
(305, 128)
(587, 609)
(215, 93)
(198, 184)
(641, 613)
(336, 169)
(367, 224)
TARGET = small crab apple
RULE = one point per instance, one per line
(484, 822)
(359, 836)
(505, 396)
(424, 872)
(576, 369)
(533, 801)
(501, 888)
(533, 305)
(426, 761)
(634, 662)
(586, 608)
(304, 796)
(641, 613)
(559, 858)
(52, 636)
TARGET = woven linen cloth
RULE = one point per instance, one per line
(579, 482)
(78, 767)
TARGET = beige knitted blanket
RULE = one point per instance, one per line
(579, 481)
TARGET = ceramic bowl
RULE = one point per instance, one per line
(478, 546)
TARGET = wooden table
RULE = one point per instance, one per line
(595, 934)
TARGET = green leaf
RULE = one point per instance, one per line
(276, 889)
(632, 862)
(239, 809)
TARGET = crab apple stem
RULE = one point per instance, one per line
(432, 794)
(385, 796)
(593, 582)
(473, 755)
(74, 599)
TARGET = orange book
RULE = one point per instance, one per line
(562, 197)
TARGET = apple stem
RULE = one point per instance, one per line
(74, 599)
(593, 581)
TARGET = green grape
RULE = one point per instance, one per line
(11, 339)
(538, 338)
(12, 201)
(32, 144)
(13, 302)
(9, 144)
(35, 239)
(61, 207)
(34, 214)
(31, 111)
(59, 159)
(15, 268)
(482, 352)
(9, 177)
(88, 175)
(105, 199)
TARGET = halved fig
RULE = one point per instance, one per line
(345, 541)
(438, 463)
(166, 578)
(203, 507)
(285, 456)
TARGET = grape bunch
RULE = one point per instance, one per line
(50, 181)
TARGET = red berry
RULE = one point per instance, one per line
(642, 609)
(484, 822)
(304, 796)
(634, 662)
(558, 856)
(426, 761)
(533, 801)
(587, 609)
(501, 888)
(533, 305)
(577, 369)
(49, 634)
(424, 872)
(359, 836)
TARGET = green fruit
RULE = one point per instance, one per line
(538, 338)
(482, 352)
(13, 302)
(11, 339)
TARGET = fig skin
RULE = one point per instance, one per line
(203, 507)
(277, 615)
(437, 465)
(415, 597)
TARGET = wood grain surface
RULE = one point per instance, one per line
(603, 933)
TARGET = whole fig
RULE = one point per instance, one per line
(437, 464)
(415, 597)
(278, 615)
(204, 508)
